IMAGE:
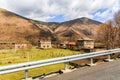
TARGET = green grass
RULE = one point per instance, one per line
(8, 57)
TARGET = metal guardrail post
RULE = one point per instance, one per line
(109, 57)
(91, 61)
(65, 66)
(26, 74)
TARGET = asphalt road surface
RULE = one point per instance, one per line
(102, 71)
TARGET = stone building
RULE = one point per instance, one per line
(44, 44)
(20, 45)
(7, 45)
(63, 44)
(71, 45)
(85, 43)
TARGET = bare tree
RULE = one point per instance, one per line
(107, 35)
(117, 24)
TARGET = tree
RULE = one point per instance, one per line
(109, 32)
(117, 24)
(106, 34)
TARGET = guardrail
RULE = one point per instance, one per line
(35, 64)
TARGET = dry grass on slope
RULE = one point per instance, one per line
(16, 28)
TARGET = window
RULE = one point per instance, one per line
(47, 46)
(44, 46)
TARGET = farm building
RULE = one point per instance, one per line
(12, 45)
(44, 44)
(71, 45)
(7, 45)
(85, 43)
(63, 44)
(20, 45)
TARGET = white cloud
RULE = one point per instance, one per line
(104, 14)
(45, 10)
(109, 12)
(98, 4)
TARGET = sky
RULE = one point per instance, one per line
(63, 10)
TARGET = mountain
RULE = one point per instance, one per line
(69, 30)
(77, 28)
(16, 28)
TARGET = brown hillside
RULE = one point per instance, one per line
(78, 28)
(46, 29)
(16, 28)
(69, 30)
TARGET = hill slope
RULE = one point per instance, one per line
(78, 28)
(69, 30)
(17, 28)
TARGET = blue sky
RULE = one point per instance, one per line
(58, 18)
(63, 10)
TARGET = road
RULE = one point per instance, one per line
(102, 71)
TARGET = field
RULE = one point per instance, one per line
(8, 57)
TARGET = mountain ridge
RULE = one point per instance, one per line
(32, 30)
